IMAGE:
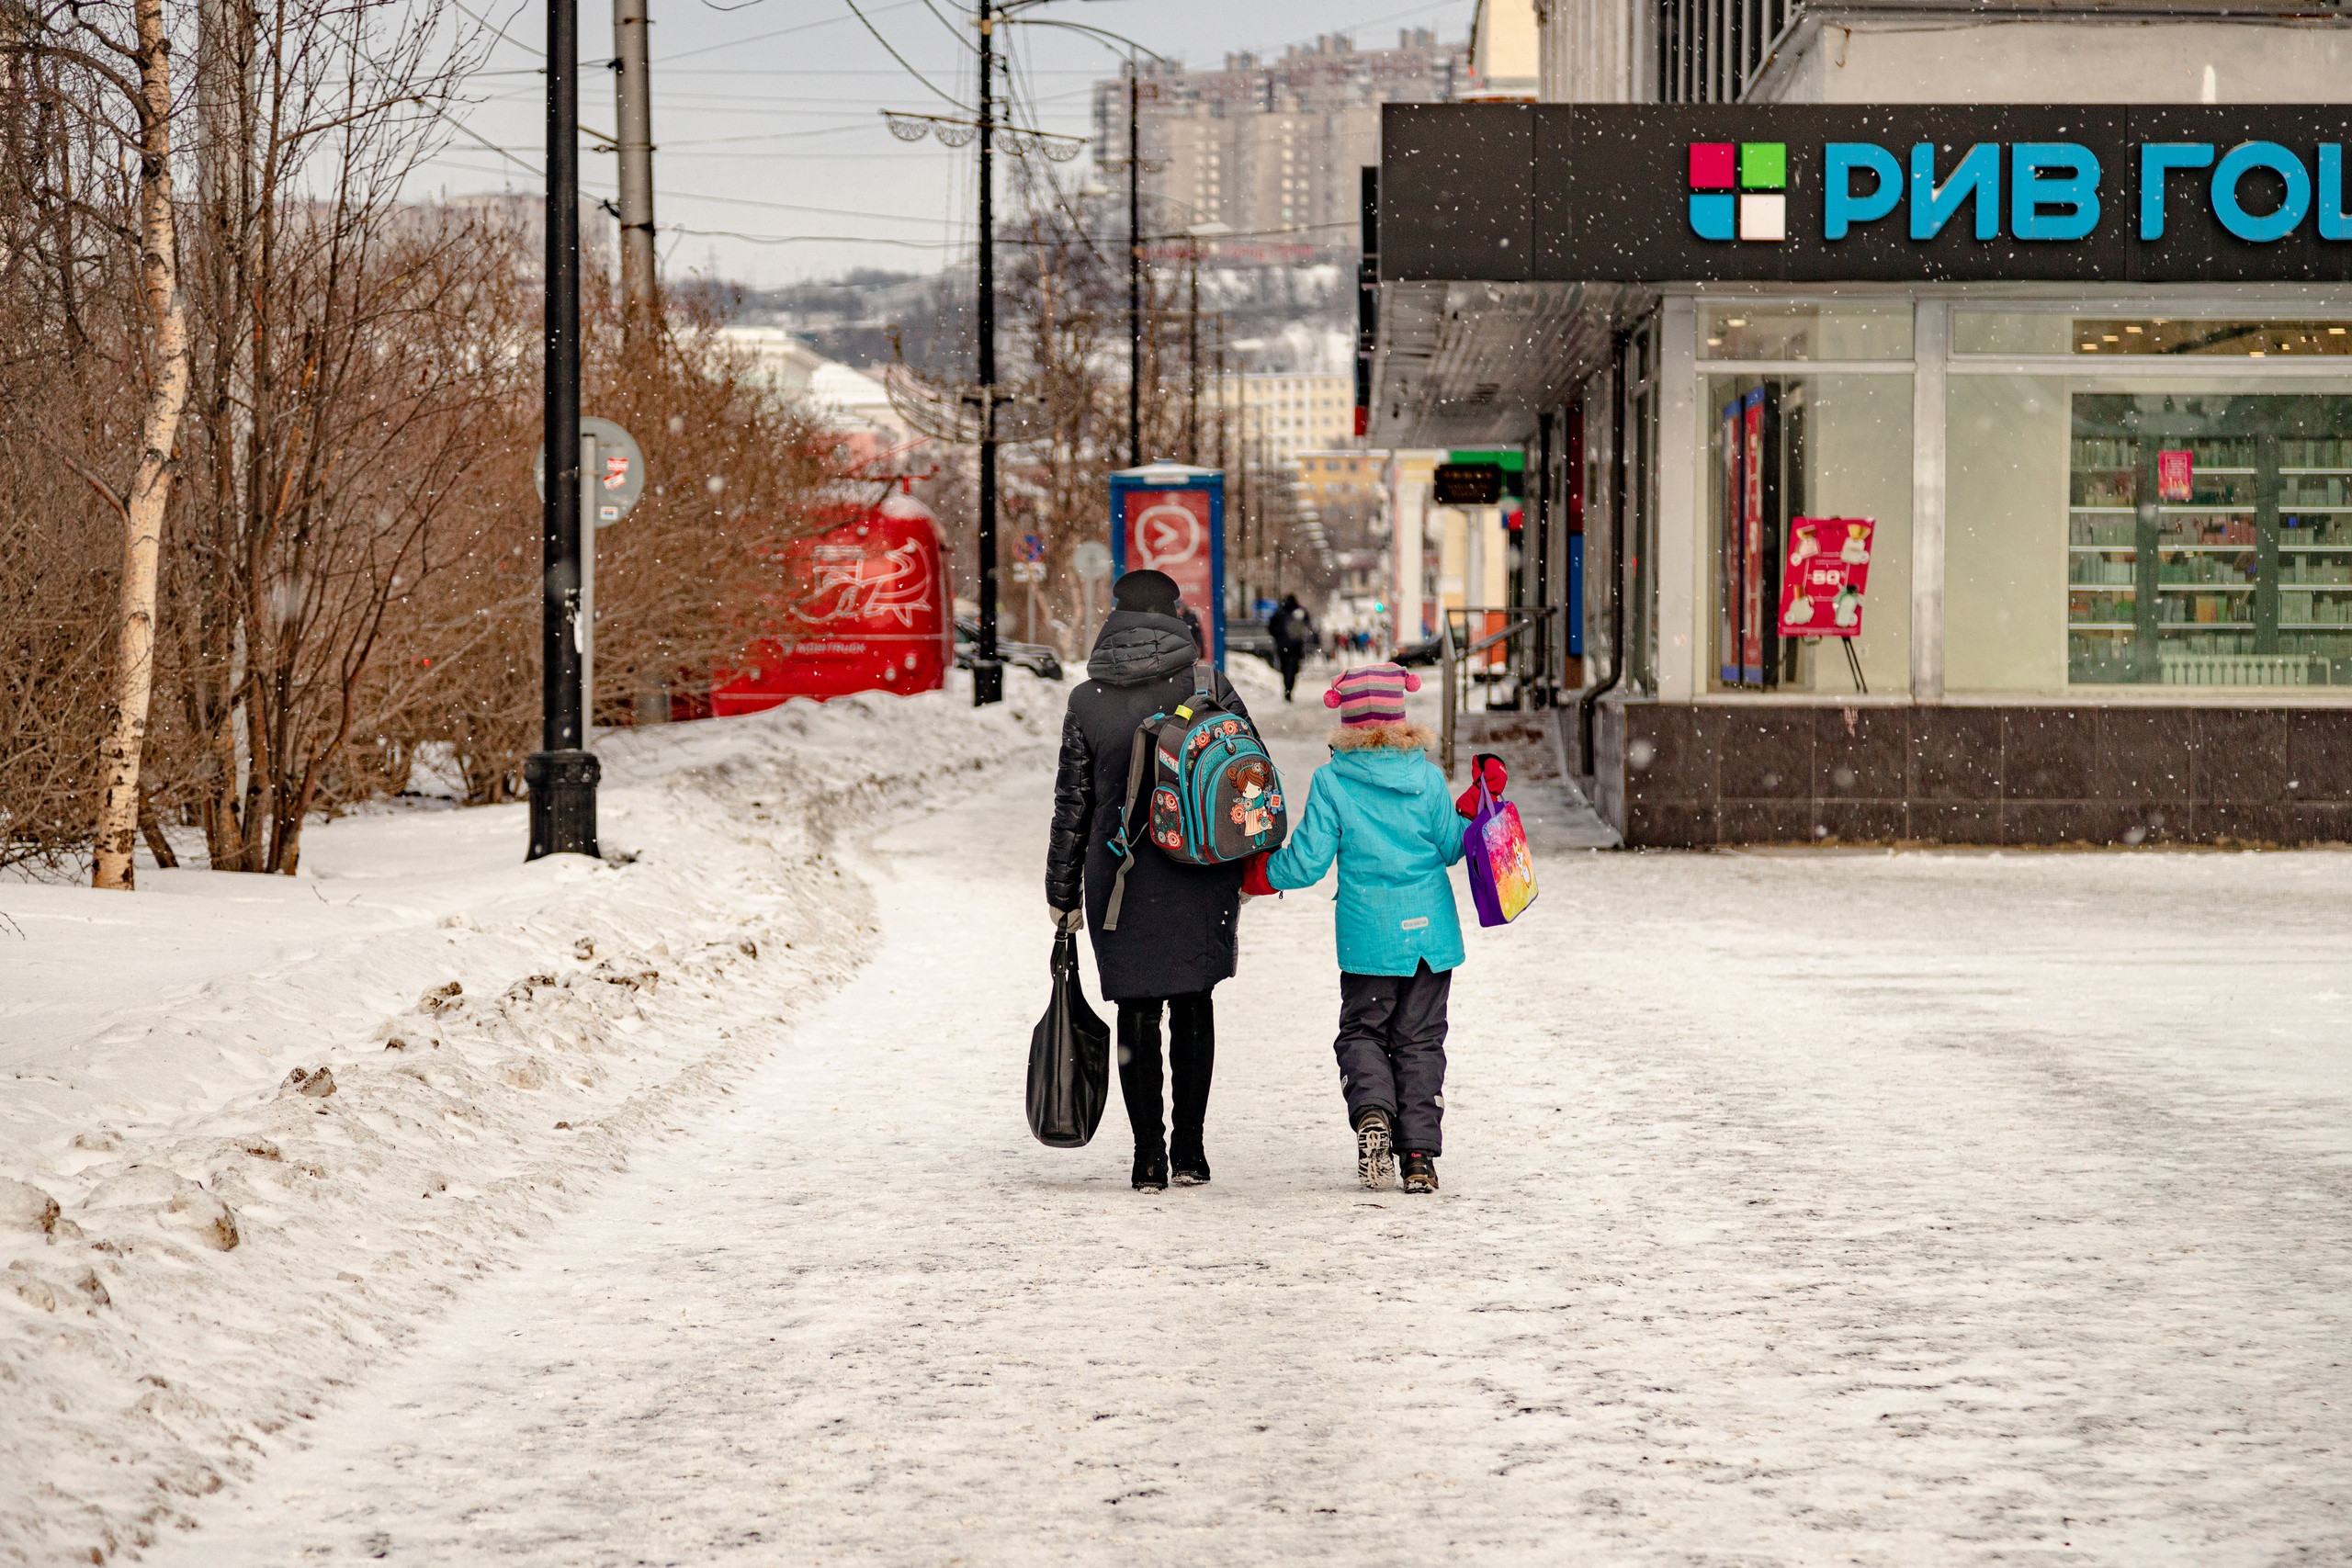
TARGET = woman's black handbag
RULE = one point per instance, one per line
(1069, 1059)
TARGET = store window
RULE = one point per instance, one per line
(1783, 450)
(2024, 333)
(2210, 539)
(1860, 330)
(2108, 531)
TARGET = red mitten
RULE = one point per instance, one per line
(1253, 877)
(1490, 769)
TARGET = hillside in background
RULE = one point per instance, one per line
(1286, 318)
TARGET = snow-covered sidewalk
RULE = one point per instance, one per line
(258, 1130)
(1893, 1210)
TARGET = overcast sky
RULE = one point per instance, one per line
(774, 163)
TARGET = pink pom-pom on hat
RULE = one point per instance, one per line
(1374, 694)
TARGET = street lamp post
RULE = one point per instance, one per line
(562, 774)
(988, 670)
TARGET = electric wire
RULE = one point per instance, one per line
(891, 50)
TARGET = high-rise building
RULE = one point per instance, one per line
(1270, 150)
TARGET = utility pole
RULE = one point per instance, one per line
(561, 774)
(1193, 364)
(1134, 267)
(988, 672)
(633, 98)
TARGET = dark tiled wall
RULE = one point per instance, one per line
(1693, 775)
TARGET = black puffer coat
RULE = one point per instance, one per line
(1175, 931)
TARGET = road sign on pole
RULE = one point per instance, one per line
(611, 476)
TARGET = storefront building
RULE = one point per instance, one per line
(2064, 393)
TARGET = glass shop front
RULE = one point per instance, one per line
(2125, 498)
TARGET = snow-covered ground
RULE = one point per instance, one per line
(1893, 1210)
(196, 1257)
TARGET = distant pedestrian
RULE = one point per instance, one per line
(1379, 809)
(1175, 939)
(1292, 631)
(1193, 623)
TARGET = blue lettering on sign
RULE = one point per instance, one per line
(2155, 159)
(2054, 190)
(2055, 186)
(1978, 174)
(2242, 160)
(1841, 207)
(2335, 224)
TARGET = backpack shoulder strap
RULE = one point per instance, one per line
(1125, 842)
(1204, 681)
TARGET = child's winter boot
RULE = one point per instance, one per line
(1375, 1158)
(1420, 1173)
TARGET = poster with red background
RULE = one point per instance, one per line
(1168, 530)
(1829, 566)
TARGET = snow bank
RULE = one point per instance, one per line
(258, 1129)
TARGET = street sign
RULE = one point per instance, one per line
(1032, 547)
(617, 477)
(1469, 484)
(1169, 517)
(1092, 560)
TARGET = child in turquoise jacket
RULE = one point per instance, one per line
(1380, 809)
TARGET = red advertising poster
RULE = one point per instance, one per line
(862, 607)
(1168, 530)
(1751, 526)
(2176, 474)
(1829, 564)
(1727, 580)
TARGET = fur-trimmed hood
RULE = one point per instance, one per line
(1405, 737)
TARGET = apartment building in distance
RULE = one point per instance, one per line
(1270, 150)
(1283, 414)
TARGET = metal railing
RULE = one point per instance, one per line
(1455, 653)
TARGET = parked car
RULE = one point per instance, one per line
(1037, 660)
(1249, 637)
(1429, 651)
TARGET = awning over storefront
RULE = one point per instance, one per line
(1470, 363)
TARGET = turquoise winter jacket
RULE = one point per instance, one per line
(1383, 812)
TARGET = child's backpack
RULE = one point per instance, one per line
(1214, 796)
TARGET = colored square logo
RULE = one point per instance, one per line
(1738, 190)
(1712, 165)
(1764, 216)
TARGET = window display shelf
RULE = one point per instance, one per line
(2192, 506)
(2339, 626)
(2125, 511)
(2235, 628)
(2205, 587)
(2316, 471)
(2315, 549)
(2121, 627)
(2204, 550)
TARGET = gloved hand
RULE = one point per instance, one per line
(1253, 877)
(1490, 769)
(1069, 921)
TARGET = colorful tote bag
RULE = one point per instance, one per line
(1502, 874)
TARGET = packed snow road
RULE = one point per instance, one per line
(1883, 1210)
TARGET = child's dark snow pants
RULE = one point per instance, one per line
(1392, 1052)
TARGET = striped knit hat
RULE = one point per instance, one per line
(1374, 694)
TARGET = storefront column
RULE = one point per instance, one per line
(1682, 547)
(1406, 510)
(1930, 342)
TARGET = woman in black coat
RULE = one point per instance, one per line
(1175, 939)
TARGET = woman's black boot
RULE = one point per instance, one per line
(1188, 1165)
(1151, 1170)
